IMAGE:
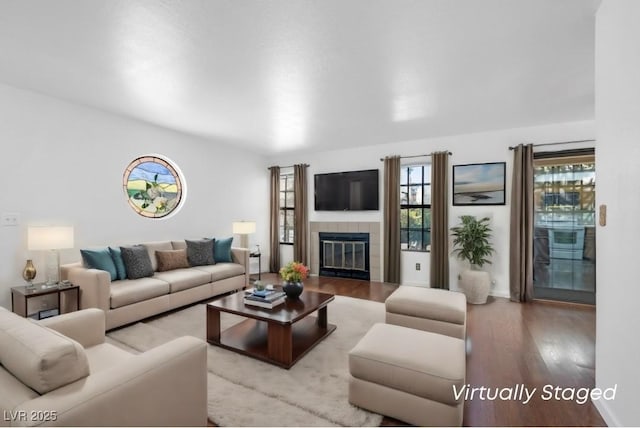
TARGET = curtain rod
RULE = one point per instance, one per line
(556, 143)
(414, 156)
(289, 166)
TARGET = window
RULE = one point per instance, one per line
(415, 207)
(286, 208)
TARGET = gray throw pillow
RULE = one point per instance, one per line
(200, 252)
(136, 261)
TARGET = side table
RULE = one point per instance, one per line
(258, 255)
(20, 297)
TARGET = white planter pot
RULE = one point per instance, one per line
(476, 285)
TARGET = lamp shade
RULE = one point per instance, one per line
(244, 227)
(49, 237)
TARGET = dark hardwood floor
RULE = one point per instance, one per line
(508, 344)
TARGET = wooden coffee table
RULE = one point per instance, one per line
(280, 336)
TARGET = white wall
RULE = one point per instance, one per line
(62, 164)
(618, 243)
(470, 148)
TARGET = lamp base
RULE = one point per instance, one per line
(52, 269)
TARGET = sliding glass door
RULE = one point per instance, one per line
(564, 226)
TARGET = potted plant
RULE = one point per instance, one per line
(292, 275)
(471, 243)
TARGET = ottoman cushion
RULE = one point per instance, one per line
(418, 362)
(431, 303)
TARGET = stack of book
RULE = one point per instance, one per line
(265, 298)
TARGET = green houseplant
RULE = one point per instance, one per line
(471, 243)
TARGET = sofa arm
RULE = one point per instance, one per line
(95, 285)
(86, 327)
(165, 386)
(241, 256)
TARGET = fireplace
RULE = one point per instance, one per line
(344, 255)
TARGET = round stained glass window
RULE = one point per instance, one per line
(154, 187)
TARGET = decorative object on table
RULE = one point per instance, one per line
(293, 273)
(29, 272)
(471, 243)
(52, 239)
(259, 285)
(479, 184)
(244, 228)
(153, 186)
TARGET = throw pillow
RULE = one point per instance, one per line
(200, 252)
(222, 250)
(100, 259)
(172, 259)
(116, 255)
(136, 261)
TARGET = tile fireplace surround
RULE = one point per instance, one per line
(370, 227)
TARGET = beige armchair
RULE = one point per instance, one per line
(60, 372)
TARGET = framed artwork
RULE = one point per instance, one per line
(479, 184)
(153, 186)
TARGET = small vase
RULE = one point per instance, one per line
(292, 289)
(29, 272)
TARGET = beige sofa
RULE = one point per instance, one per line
(60, 372)
(126, 301)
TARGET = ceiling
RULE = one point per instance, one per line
(282, 76)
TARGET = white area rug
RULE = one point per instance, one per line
(247, 392)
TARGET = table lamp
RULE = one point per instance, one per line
(244, 228)
(50, 239)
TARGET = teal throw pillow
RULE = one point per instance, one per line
(116, 255)
(222, 250)
(100, 259)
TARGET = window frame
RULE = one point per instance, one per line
(283, 229)
(425, 207)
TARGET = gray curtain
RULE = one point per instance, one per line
(439, 271)
(300, 214)
(521, 226)
(274, 220)
(391, 233)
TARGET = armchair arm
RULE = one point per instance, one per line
(95, 285)
(241, 256)
(86, 327)
(165, 386)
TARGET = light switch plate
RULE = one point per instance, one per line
(603, 215)
(10, 219)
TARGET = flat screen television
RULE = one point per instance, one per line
(347, 191)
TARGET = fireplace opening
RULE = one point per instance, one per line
(344, 255)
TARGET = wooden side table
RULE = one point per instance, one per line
(21, 295)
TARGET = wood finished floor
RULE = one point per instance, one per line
(508, 343)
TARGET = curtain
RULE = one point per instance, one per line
(274, 220)
(391, 226)
(439, 272)
(300, 214)
(521, 226)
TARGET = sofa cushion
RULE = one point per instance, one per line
(137, 261)
(39, 357)
(222, 250)
(13, 392)
(116, 255)
(200, 252)
(99, 259)
(171, 259)
(223, 270)
(105, 355)
(181, 279)
(179, 245)
(152, 247)
(133, 291)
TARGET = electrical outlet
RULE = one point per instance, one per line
(10, 219)
(417, 266)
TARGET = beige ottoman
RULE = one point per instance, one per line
(428, 309)
(409, 375)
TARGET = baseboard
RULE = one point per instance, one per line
(499, 293)
(602, 407)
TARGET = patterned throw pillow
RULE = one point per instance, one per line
(136, 261)
(200, 252)
(172, 259)
(222, 250)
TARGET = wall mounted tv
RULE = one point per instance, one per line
(347, 191)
